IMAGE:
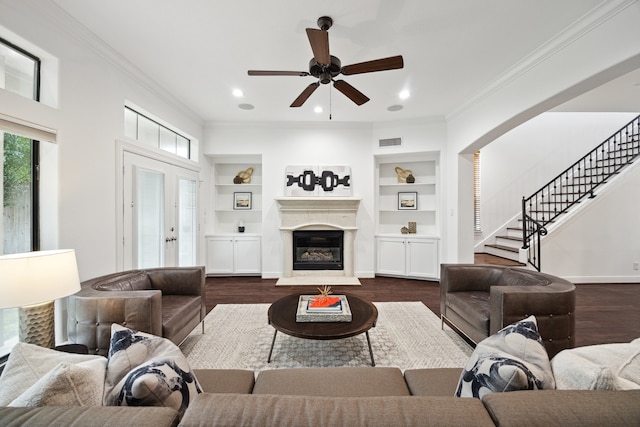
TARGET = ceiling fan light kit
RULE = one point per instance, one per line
(326, 67)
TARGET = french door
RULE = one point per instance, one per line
(160, 220)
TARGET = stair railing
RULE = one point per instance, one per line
(575, 184)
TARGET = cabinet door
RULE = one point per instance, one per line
(220, 255)
(247, 255)
(422, 258)
(391, 256)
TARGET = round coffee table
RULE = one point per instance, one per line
(282, 316)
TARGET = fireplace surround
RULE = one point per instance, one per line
(318, 213)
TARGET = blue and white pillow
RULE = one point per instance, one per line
(511, 359)
(147, 370)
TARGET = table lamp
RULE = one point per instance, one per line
(32, 281)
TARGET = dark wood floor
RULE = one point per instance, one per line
(605, 313)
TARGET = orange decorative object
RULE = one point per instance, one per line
(324, 302)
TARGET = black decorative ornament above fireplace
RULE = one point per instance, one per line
(318, 250)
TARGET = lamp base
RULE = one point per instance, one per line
(37, 324)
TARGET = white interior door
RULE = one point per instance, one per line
(159, 213)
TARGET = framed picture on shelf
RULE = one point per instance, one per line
(242, 201)
(408, 201)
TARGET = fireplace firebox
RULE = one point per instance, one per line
(318, 250)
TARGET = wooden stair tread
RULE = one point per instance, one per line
(504, 248)
(516, 239)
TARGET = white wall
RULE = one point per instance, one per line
(583, 57)
(602, 241)
(524, 159)
(89, 117)
(354, 145)
(283, 144)
(597, 244)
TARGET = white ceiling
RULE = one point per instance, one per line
(200, 50)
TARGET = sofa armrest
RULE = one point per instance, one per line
(178, 280)
(552, 305)
(91, 314)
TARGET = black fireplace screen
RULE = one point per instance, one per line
(318, 250)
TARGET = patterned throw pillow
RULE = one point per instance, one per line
(147, 370)
(511, 359)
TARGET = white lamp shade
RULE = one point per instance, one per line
(37, 277)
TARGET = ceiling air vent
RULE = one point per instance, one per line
(390, 142)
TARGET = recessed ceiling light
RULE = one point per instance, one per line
(318, 109)
(404, 94)
(246, 107)
(237, 93)
(395, 108)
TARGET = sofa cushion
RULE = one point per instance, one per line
(521, 278)
(136, 281)
(511, 359)
(475, 307)
(432, 381)
(210, 409)
(178, 311)
(67, 384)
(345, 381)
(146, 370)
(566, 408)
(83, 416)
(225, 380)
(28, 363)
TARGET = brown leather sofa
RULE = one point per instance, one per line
(479, 300)
(167, 302)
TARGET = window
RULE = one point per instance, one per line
(19, 71)
(19, 74)
(148, 131)
(20, 232)
(476, 192)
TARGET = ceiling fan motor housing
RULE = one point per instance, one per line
(325, 73)
(325, 22)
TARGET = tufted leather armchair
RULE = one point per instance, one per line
(167, 302)
(479, 300)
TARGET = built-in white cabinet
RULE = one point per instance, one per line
(236, 202)
(400, 202)
(415, 257)
(233, 254)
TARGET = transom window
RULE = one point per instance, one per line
(19, 71)
(148, 131)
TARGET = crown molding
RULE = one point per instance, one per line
(80, 33)
(590, 21)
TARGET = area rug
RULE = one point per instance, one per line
(407, 335)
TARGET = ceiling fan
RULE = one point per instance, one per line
(325, 67)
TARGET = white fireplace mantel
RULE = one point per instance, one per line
(299, 213)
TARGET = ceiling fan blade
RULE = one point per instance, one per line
(277, 73)
(391, 63)
(319, 40)
(305, 94)
(350, 92)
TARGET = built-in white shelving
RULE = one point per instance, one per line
(416, 254)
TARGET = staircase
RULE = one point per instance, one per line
(577, 184)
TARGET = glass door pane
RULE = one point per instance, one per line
(149, 218)
(17, 219)
(187, 222)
